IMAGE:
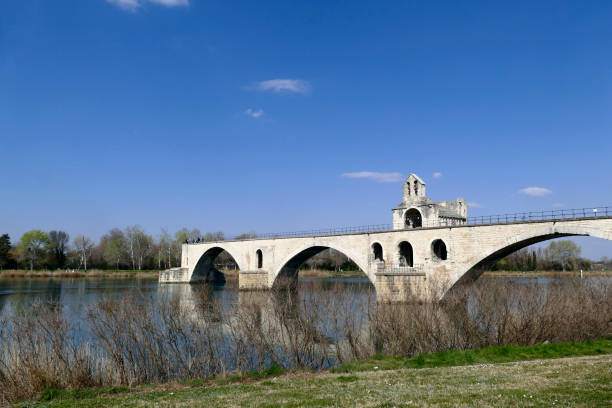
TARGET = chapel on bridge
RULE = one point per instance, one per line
(416, 210)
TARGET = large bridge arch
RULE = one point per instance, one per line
(288, 267)
(535, 234)
(204, 269)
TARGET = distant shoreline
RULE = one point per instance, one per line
(306, 273)
(545, 274)
(93, 273)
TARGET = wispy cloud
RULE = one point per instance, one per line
(558, 205)
(171, 3)
(254, 113)
(474, 204)
(376, 176)
(535, 191)
(130, 5)
(437, 175)
(282, 86)
(133, 5)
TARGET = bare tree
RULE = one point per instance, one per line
(214, 236)
(164, 249)
(139, 245)
(83, 246)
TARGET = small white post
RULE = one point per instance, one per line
(581, 274)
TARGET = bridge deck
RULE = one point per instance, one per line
(389, 228)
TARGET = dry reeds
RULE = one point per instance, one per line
(138, 340)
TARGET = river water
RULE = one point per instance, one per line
(77, 295)
(345, 300)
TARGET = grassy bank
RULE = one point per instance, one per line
(486, 355)
(545, 274)
(91, 273)
(495, 376)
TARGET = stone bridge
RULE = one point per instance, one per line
(431, 247)
(401, 264)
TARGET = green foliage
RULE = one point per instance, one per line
(347, 378)
(32, 247)
(58, 244)
(273, 371)
(559, 255)
(114, 250)
(563, 253)
(53, 393)
(6, 258)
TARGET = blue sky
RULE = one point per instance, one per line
(243, 115)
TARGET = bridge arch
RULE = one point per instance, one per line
(290, 265)
(490, 255)
(204, 269)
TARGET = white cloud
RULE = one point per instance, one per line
(254, 113)
(437, 175)
(133, 5)
(558, 205)
(130, 5)
(474, 204)
(535, 191)
(376, 176)
(282, 85)
(171, 3)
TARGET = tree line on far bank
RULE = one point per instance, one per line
(131, 248)
(557, 256)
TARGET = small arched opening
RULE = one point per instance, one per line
(413, 218)
(377, 252)
(406, 257)
(259, 259)
(438, 248)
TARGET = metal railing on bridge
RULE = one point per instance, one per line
(542, 215)
(577, 213)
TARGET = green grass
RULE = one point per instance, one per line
(492, 376)
(487, 355)
(52, 393)
(570, 382)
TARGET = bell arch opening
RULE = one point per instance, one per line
(259, 259)
(211, 264)
(406, 254)
(377, 252)
(317, 259)
(413, 218)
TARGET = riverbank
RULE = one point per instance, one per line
(230, 274)
(305, 273)
(92, 273)
(494, 376)
(546, 274)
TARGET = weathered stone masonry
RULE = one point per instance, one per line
(408, 261)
